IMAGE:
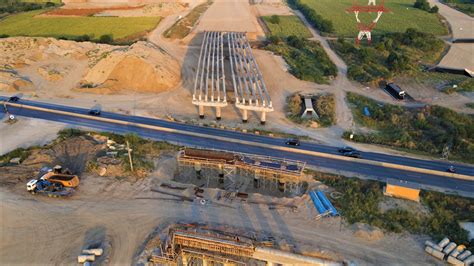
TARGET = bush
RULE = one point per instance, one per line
(275, 19)
(428, 129)
(106, 38)
(389, 55)
(295, 105)
(434, 9)
(83, 38)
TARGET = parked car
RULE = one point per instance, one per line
(353, 154)
(395, 91)
(346, 149)
(94, 112)
(293, 142)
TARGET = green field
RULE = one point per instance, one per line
(286, 26)
(121, 28)
(403, 16)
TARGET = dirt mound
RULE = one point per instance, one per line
(367, 232)
(61, 65)
(141, 68)
(10, 81)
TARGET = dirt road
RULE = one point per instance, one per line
(459, 55)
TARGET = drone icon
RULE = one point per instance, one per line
(365, 29)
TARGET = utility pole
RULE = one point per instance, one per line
(130, 155)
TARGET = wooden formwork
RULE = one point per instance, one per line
(212, 244)
(246, 164)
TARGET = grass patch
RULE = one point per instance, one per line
(15, 6)
(391, 54)
(465, 6)
(285, 26)
(470, 105)
(324, 105)
(307, 59)
(360, 203)
(183, 27)
(428, 129)
(404, 16)
(120, 28)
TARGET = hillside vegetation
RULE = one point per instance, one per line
(389, 55)
(121, 29)
(402, 17)
(429, 129)
(307, 59)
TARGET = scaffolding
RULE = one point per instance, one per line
(228, 163)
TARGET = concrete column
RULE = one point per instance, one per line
(263, 118)
(201, 111)
(269, 263)
(184, 259)
(244, 115)
(218, 112)
(205, 262)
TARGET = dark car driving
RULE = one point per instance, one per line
(14, 99)
(293, 142)
(346, 149)
(353, 154)
(94, 112)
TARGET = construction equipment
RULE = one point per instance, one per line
(54, 183)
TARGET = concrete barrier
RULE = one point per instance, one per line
(257, 144)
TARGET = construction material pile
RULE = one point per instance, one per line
(450, 252)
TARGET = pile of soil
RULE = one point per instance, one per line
(367, 232)
(141, 68)
(106, 69)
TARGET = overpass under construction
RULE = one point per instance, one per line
(266, 172)
(191, 245)
(250, 92)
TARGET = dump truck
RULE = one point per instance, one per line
(55, 182)
(64, 177)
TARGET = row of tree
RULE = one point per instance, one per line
(316, 20)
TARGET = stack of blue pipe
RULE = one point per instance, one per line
(322, 204)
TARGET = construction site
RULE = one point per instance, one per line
(76, 194)
(195, 207)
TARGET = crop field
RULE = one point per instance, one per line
(286, 26)
(402, 17)
(26, 24)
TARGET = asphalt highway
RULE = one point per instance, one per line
(358, 168)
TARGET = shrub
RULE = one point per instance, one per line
(434, 9)
(295, 104)
(275, 19)
(83, 38)
(106, 38)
